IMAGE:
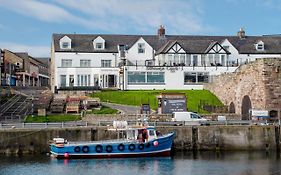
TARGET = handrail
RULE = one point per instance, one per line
(5, 104)
(22, 103)
(10, 105)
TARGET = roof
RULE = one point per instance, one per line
(190, 43)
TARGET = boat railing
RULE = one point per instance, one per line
(104, 141)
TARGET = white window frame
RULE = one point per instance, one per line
(106, 63)
(99, 46)
(66, 62)
(85, 63)
(141, 48)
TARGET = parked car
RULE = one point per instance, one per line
(189, 118)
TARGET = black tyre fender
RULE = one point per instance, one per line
(132, 147)
(85, 149)
(121, 147)
(98, 148)
(109, 148)
(141, 146)
(77, 149)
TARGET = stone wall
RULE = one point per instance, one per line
(259, 80)
(15, 141)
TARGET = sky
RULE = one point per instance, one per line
(28, 25)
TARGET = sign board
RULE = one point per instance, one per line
(145, 109)
(260, 113)
(173, 105)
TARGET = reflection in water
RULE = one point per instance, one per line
(195, 163)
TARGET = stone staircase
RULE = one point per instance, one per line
(16, 108)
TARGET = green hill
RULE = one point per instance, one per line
(195, 98)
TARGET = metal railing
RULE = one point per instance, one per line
(192, 123)
(43, 125)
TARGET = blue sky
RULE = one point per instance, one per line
(27, 25)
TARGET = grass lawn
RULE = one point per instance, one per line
(52, 118)
(136, 98)
(104, 110)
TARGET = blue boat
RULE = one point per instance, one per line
(136, 142)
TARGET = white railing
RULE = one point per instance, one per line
(43, 125)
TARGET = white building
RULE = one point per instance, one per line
(160, 61)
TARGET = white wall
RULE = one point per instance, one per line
(76, 57)
(134, 56)
(76, 69)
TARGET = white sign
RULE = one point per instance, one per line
(259, 113)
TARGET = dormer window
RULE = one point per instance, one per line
(65, 42)
(65, 45)
(260, 46)
(99, 43)
(99, 46)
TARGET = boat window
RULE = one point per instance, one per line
(131, 134)
(151, 132)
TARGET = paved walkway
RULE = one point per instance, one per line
(125, 109)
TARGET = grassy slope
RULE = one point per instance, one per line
(136, 98)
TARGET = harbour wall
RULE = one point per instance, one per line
(265, 138)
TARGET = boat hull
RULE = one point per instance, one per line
(114, 149)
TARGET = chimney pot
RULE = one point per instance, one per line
(161, 32)
(241, 34)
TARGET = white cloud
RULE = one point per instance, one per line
(181, 16)
(115, 16)
(42, 11)
(36, 51)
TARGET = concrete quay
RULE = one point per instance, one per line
(224, 138)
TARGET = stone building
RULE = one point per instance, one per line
(256, 85)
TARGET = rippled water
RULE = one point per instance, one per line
(235, 163)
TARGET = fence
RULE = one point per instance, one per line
(43, 125)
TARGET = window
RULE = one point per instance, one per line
(182, 58)
(105, 63)
(217, 59)
(141, 48)
(65, 45)
(170, 59)
(223, 60)
(226, 48)
(155, 77)
(211, 59)
(196, 77)
(99, 46)
(195, 116)
(83, 80)
(190, 77)
(202, 77)
(195, 60)
(260, 46)
(146, 77)
(62, 80)
(176, 59)
(188, 60)
(136, 77)
(85, 63)
(66, 63)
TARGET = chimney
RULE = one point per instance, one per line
(161, 32)
(241, 33)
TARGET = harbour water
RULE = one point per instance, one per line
(195, 163)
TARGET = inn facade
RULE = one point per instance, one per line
(138, 62)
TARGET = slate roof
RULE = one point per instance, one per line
(190, 43)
